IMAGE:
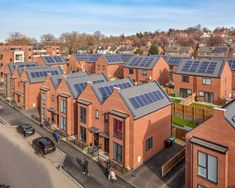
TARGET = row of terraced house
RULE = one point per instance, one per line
(129, 118)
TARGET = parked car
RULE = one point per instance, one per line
(43, 145)
(4, 186)
(25, 130)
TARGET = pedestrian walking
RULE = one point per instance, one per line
(85, 167)
(112, 176)
(56, 136)
(107, 168)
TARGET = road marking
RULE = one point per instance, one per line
(5, 122)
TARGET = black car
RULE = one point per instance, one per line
(43, 145)
(4, 186)
(25, 130)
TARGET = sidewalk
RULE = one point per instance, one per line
(73, 156)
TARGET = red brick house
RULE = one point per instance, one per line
(210, 81)
(11, 72)
(83, 62)
(144, 69)
(179, 51)
(111, 65)
(67, 92)
(49, 109)
(173, 62)
(210, 151)
(213, 52)
(231, 63)
(53, 61)
(27, 86)
(129, 123)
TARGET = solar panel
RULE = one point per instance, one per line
(142, 61)
(146, 99)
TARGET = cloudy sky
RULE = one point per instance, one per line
(112, 17)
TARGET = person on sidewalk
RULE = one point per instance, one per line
(85, 167)
(107, 168)
(56, 135)
(112, 176)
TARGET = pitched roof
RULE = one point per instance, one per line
(143, 62)
(113, 59)
(77, 85)
(230, 113)
(126, 57)
(201, 68)
(54, 60)
(175, 60)
(20, 66)
(145, 99)
(38, 74)
(92, 58)
(104, 90)
(56, 79)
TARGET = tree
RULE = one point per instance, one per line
(153, 50)
(138, 51)
(18, 38)
(48, 39)
(70, 41)
(215, 40)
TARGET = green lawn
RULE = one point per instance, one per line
(203, 106)
(175, 100)
(183, 122)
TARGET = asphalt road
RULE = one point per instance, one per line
(22, 168)
(96, 178)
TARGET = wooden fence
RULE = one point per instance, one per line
(167, 167)
(190, 113)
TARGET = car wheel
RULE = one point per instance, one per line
(41, 153)
(23, 135)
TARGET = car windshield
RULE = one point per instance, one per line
(45, 142)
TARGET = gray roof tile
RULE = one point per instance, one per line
(230, 112)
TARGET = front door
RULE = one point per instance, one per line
(96, 139)
(209, 97)
(106, 145)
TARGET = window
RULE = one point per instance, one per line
(185, 79)
(98, 67)
(148, 144)
(206, 81)
(43, 98)
(103, 67)
(117, 129)
(201, 93)
(97, 114)
(11, 60)
(117, 152)
(143, 72)
(131, 71)
(63, 105)
(234, 73)
(83, 134)
(1, 57)
(83, 114)
(207, 166)
(63, 123)
(106, 118)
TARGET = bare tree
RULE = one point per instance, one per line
(48, 39)
(215, 41)
(18, 38)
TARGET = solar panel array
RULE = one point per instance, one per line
(146, 99)
(93, 57)
(82, 57)
(175, 60)
(107, 90)
(25, 65)
(126, 57)
(54, 59)
(231, 63)
(44, 73)
(81, 86)
(142, 61)
(200, 67)
(220, 49)
(113, 58)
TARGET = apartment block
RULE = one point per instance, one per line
(144, 69)
(210, 81)
(210, 151)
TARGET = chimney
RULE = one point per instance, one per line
(89, 83)
(116, 90)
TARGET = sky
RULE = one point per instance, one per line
(111, 17)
